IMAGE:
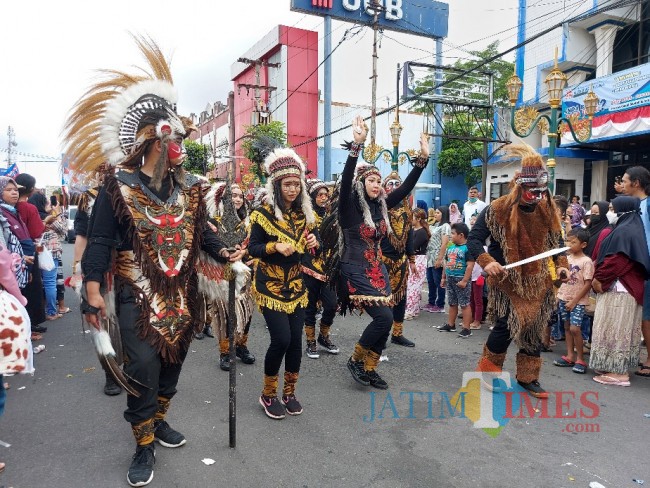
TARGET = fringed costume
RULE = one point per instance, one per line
(147, 229)
(318, 291)
(278, 285)
(213, 285)
(397, 252)
(364, 281)
(519, 225)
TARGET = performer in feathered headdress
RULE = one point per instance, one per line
(316, 282)
(519, 225)
(214, 286)
(364, 282)
(282, 230)
(151, 215)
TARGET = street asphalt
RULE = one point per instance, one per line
(64, 432)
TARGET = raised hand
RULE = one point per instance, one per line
(359, 130)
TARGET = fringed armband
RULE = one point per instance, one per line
(484, 259)
(421, 162)
(356, 149)
(270, 248)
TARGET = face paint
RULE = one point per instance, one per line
(176, 153)
(532, 195)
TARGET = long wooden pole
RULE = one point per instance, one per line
(232, 316)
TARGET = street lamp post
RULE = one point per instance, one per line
(555, 83)
(372, 153)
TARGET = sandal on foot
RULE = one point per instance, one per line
(64, 310)
(644, 371)
(564, 362)
(580, 367)
(36, 336)
(609, 380)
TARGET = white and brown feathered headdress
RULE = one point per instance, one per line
(114, 120)
(280, 164)
(361, 172)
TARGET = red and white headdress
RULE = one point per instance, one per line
(280, 164)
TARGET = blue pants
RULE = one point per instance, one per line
(436, 292)
(49, 284)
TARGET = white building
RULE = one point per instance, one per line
(600, 48)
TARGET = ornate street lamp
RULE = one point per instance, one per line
(373, 152)
(526, 119)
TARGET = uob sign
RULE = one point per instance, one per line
(426, 18)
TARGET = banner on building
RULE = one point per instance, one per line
(423, 18)
(624, 107)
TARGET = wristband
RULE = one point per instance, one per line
(421, 162)
(270, 248)
(355, 149)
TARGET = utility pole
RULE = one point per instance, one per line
(261, 114)
(11, 143)
(376, 7)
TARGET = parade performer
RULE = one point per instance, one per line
(519, 225)
(362, 278)
(397, 255)
(148, 224)
(283, 229)
(214, 286)
(316, 282)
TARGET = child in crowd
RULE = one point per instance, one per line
(458, 274)
(573, 296)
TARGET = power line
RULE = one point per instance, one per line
(619, 3)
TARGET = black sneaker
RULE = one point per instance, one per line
(359, 374)
(224, 362)
(535, 389)
(447, 328)
(312, 350)
(39, 329)
(291, 404)
(376, 380)
(166, 436)
(272, 407)
(141, 469)
(244, 354)
(111, 388)
(207, 330)
(402, 341)
(199, 336)
(465, 333)
(327, 345)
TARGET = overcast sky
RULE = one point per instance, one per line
(50, 50)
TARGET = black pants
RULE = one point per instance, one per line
(145, 365)
(399, 309)
(319, 290)
(374, 337)
(499, 339)
(286, 340)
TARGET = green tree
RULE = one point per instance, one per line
(274, 130)
(197, 157)
(456, 155)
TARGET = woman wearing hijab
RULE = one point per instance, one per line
(622, 267)
(55, 230)
(577, 214)
(20, 243)
(454, 214)
(597, 223)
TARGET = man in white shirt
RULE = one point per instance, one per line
(473, 206)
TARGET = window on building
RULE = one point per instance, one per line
(498, 190)
(632, 42)
(566, 188)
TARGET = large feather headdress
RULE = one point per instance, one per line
(112, 122)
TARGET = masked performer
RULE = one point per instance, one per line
(397, 253)
(148, 224)
(215, 287)
(519, 225)
(316, 282)
(282, 230)
(364, 282)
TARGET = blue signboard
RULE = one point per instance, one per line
(426, 18)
